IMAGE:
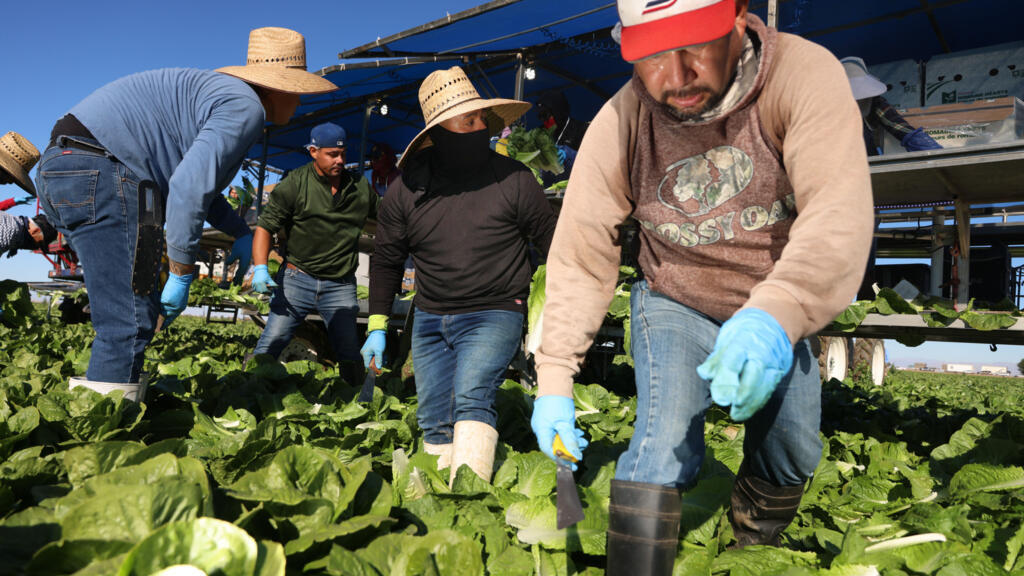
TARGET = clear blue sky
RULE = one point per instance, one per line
(58, 52)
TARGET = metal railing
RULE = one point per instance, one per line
(1018, 285)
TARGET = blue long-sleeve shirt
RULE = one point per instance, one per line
(186, 130)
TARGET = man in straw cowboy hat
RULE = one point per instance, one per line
(17, 157)
(169, 138)
(738, 150)
(466, 215)
(316, 202)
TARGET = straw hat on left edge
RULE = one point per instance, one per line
(277, 60)
(449, 93)
(17, 157)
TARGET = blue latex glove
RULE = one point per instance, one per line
(919, 140)
(241, 251)
(373, 349)
(553, 414)
(174, 297)
(561, 156)
(261, 280)
(751, 355)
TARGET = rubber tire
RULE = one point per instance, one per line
(840, 349)
(870, 352)
(310, 342)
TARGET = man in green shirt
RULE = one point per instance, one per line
(321, 208)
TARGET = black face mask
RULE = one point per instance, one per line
(457, 153)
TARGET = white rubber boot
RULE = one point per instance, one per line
(443, 453)
(473, 445)
(136, 392)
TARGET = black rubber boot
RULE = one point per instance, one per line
(760, 510)
(643, 529)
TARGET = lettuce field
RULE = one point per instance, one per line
(270, 469)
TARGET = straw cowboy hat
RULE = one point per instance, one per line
(17, 157)
(277, 60)
(863, 84)
(448, 93)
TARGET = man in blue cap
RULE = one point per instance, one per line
(321, 208)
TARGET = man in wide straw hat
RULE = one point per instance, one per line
(17, 157)
(154, 143)
(466, 215)
(738, 151)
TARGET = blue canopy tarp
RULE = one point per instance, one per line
(569, 44)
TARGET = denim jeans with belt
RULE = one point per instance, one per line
(669, 341)
(299, 294)
(93, 200)
(460, 361)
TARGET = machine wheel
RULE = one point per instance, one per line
(299, 349)
(871, 353)
(310, 342)
(834, 358)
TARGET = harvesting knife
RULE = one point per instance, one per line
(569, 509)
(366, 394)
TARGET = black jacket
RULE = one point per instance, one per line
(468, 236)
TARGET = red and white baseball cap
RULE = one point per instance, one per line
(650, 27)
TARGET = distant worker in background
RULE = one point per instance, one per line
(555, 115)
(466, 214)
(384, 167)
(17, 157)
(171, 138)
(879, 115)
(322, 207)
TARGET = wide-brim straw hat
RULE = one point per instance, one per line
(277, 61)
(449, 93)
(863, 84)
(17, 157)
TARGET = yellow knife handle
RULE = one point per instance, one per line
(561, 451)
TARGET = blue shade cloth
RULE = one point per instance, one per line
(572, 42)
(186, 130)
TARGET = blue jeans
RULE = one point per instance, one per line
(93, 200)
(669, 341)
(299, 294)
(460, 361)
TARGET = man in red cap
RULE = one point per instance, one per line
(738, 150)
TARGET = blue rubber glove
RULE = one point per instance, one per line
(241, 251)
(919, 140)
(553, 414)
(261, 280)
(561, 156)
(751, 355)
(373, 349)
(174, 297)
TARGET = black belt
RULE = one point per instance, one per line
(68, 129)
(68, 142)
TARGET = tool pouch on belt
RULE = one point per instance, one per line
(149, 244)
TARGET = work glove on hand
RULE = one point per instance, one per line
(261, 280)
(174, 297)
(373, 349)
(553, 414)
(751, 355)
(241, 251)
(919, 140)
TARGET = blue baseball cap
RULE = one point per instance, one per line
(327, 135)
